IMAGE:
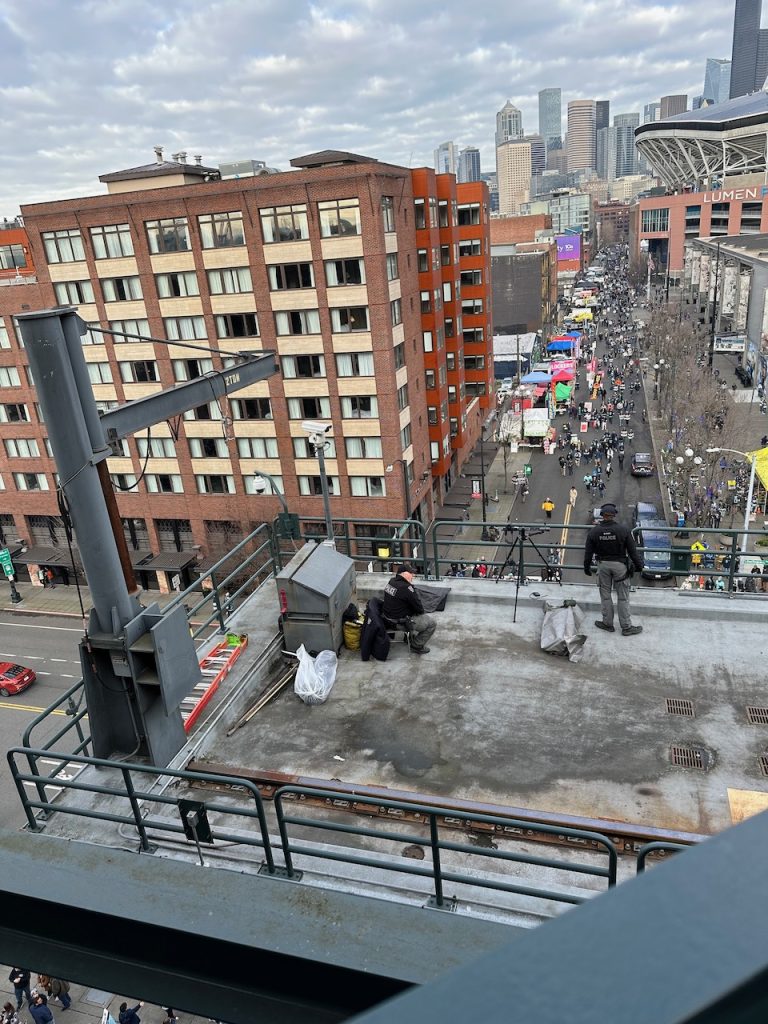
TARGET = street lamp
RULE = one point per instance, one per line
(406, 486)
(747, 512)
(318, 438)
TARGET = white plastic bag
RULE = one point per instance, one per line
(315, 676)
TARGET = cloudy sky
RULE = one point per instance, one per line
(90, 86)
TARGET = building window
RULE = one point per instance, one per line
(134, 327)
(22, 448)
(14, 413)
(468, 213)
(257, 447)
(423, 260)
(396, 312)
(111, 241)
(426, 338)
(9, 377)
(359, 407)
(30, 481)
(472, 335)
(339, 217)
(168, 235)
(349, 318)
(692, 221)
(248, 409)
(156, 447)
(392, 269)
(237, 325)
(432, 415)
(402, 397)
(442, 212)
(125, 289)
(63, 246)
(297, 321)
(221, 230)
(751, 215)
(449, 327)
(447, 291)
(311, 408)
(425, 299)
(184, 328)
(363, 447)
(471, 278)
(208, 448)
(5, 341)
(341, 272)
(420, 219)
(171, 286)
(12, 256)
(291, 275)
(452, 393)
(99, 373)
(474, 362)
(303, 366)
(302, 449)
(209, 411)
(718, 224)
(471, 307)
(655, 220)
(405, 436)
(450, 360)
(273, 486)
(142, 371)
(470, 247)
(73, 293)
(124, 481)
(215, 483)
(367, 487)
(163, 483)
(388, 212)
(354, 364)
(190, 369)
(399, 351)
(453, 426)
(313, 485)
(284, 223)
(474, 388)
(430, 379)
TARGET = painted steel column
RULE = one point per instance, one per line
(70, 414)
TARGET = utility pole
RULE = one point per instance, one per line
(714, 310)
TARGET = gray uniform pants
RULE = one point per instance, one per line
(422, 628)
(613, 576)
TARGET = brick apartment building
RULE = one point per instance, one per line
(325, 265)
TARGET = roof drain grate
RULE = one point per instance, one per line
(764, 763)
(689, 757)
(679, 706)
(757, 715)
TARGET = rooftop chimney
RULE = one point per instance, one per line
(159, 154)
(198, 160)
(175, 157)
(183, 156)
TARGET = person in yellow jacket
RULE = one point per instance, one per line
(548, 507)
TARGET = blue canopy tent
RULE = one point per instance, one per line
(561, 346)
(537, 377)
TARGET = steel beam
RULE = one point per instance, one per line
(145, 412)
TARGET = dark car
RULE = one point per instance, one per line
(14, 678)
(642, 464)
(744, 376)
(645, 512)
(653, 536)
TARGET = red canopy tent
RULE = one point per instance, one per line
(562, 375)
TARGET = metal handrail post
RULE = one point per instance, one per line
(128, 781)
(437, 874)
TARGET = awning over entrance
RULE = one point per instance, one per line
(40, 555)
(169, 561)
(140, 558)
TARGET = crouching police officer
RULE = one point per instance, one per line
(614, 546)
(403, 605)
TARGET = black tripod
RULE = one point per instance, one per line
(521, 534)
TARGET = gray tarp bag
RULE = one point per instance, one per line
(561, 629)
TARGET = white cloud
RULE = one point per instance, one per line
(91, 86)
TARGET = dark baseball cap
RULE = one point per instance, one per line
(609, 509)
(406, 567)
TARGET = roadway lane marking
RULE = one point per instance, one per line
(64, 660)
(564, 534)
(24, 625)
(27, 707)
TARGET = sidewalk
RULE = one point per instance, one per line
(88, 1006)
(63, 600)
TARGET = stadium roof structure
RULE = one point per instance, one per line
(702, 147)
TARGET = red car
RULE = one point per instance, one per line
(14, 678)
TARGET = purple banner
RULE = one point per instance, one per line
(568, 247)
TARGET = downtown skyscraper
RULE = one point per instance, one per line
(582, 132)
(749, 54)
(551, 117)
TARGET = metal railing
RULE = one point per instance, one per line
(144, 804)
(436, 845)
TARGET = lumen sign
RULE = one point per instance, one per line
(730, 194)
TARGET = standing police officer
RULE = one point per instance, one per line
(617, 556)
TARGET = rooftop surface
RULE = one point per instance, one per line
(487, 716)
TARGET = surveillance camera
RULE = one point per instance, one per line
(259, 484)
(315, 427)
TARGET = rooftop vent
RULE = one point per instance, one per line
(159, 154)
